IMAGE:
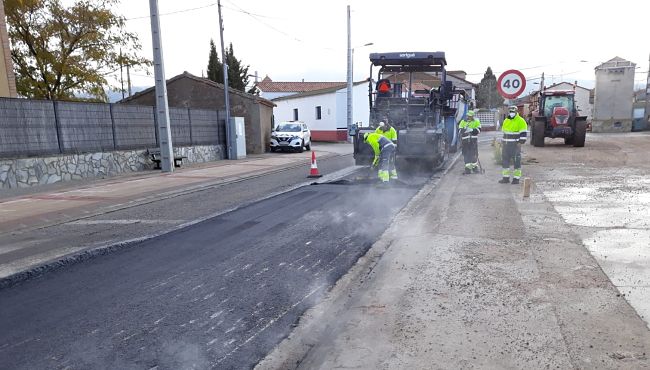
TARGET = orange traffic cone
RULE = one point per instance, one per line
(314, 167)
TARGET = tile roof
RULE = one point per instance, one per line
(267, 85)
(204, 81)
(318, 92)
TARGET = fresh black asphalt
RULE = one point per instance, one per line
(219, 294)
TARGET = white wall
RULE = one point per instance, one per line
(274, 95)
(333, 109)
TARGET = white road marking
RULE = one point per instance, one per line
(209, 296)
(213, 341)
(231, 329)
(159, 320)
(124, 222)
(282, 264)
(246, 267)
(215, 315)
(309, 242)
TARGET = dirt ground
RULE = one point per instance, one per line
(472, 275)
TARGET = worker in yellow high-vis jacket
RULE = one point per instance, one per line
(383, 150)
(469, 129)
(389, 132)
(515, 132)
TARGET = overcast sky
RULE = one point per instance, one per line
(292, 40)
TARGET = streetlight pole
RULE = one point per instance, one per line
(349, 89)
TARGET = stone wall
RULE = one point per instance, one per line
(26, 172)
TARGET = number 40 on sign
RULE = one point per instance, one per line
(511, 84)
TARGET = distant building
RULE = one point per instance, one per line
(582, 97)
(269, 89)
(325, 110)
(189, 91)
(7, 78)
(613, 96)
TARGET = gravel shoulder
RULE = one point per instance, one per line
(472, 275)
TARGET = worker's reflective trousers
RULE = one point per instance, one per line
(470, 152)
(387, 163)
(511, 153)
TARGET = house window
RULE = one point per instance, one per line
(295, 114)
(318, 112)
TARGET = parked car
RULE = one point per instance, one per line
(291, 135)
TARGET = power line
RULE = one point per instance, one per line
(175, 12)
(256, 17)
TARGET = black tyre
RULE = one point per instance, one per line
(569, 140)
(302, 146)
(308, 146)
(538, 133)
(580, 134)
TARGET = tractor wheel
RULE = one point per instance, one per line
(579, 135)
(569, 140)
(538, 134)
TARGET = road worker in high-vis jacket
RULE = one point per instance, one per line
(389, 132)
(469, 130)
(515, 131)
(383, 150)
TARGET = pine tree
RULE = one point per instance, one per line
(488, 95)
(215, 67)
(237, 73)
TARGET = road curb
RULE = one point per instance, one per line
(107, 248)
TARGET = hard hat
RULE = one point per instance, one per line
(513, 108)
(365, 136)
(382, 124)
(470, 113)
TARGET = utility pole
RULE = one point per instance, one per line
(121, 75)
(647, 100)
(225, 89)
(349, 89)
(128, 78)
(162, 106)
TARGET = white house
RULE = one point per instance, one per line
(582, 97)
(325, 110)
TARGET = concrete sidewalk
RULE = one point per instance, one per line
(471, 275)
(26, 209)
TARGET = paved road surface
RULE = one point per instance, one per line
(20, 250)
(218, 294)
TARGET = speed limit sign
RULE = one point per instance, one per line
(511, 84)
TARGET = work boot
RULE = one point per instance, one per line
(467, 171)
(504, 180)
(515, 181)
(475, 170)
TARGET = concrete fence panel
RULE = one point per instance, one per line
(85, 127)
(27, 128)
(135, 127)
(179, 122)
(205, 127)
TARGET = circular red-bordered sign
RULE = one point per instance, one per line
(511, 84)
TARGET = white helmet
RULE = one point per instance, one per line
(382, 124)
